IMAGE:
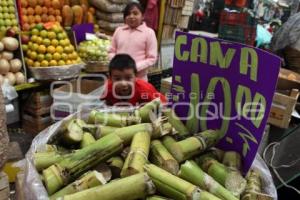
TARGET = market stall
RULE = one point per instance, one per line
(67, 143)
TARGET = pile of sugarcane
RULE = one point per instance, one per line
(144, 154)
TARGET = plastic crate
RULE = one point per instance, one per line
(243, 34)
(235, 18)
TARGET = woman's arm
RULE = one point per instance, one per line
(113, 47)
(151, 52)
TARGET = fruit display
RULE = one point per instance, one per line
(48, 46)
(129, 155)
(8, 16)
(39, 11)
(67, 13)
(10, 66)
(94, 50)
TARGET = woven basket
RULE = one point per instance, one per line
(94, 67)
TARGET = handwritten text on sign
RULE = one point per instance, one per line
(225, 86)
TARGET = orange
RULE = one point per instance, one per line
(64, 56)
(56, 56)
(39, 40)
(48, 56)
(37, 64)
(59, 49)
(44, 34)
(46, 42)
(35, 31)
(53, 63)
(40, 57)
(29, 62)
(54, 42)
(42, 49)
(61, 62)
(32, 55)
(34, 38)
(69, 62)
(44, 63)
(51, 49)
(51, 35)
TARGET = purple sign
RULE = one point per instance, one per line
(225, 86)
(80, 31)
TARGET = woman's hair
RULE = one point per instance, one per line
(121, 62)
(130, 6)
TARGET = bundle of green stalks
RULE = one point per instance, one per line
(137, 156)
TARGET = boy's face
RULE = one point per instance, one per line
(123, 83)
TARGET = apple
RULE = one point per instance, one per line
(25, 39)
(11, 32)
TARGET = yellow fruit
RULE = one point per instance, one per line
(51, 35)
(53, 63)
(69, 49)
(48, 56)
(44, 34)
(59, 49)
(32, 55)
(34, 38)
(61, 62)
(74, 61)
(46, 42)
(54, 42)
(35, 31)
(37, 64)
(44, 63)
(56, 56)
(51, 49)
(64, 56)
(39, 40)
(69, 62)
(40, 57)
(29, 62)
(42, 49)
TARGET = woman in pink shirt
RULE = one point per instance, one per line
(135, 39)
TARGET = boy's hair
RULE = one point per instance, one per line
(121, 62)
(130, 6)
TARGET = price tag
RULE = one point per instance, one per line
(90, 36)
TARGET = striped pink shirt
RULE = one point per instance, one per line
(140, 43)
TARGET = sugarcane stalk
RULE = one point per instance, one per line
(80, 161)
(43, 160)
(162, 158)
(55, 148)
(133, 187)
(73, 133)
(155, 197)
(190, 171)
(232, 160)
(149, 108)
(253, 189)
(127, 133)
(92, 129)
(138, 154)
(231, 180)
(175, 187)
(176, 122)
(88, 180)
(87, 139)
(189, 147)
(105, 130)
(115, 164)
(168, 142)
(113, 119)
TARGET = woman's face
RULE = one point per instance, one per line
(135, 18)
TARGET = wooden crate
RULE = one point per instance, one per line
(35, 124)
(282, 107)
(4, 186)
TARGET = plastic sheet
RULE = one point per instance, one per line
(35, 190)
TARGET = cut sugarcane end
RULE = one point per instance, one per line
(235, 183)
(53, 178)
(100, 177)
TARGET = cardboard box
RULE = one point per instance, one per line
(288, 80)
